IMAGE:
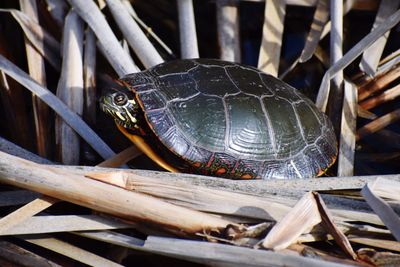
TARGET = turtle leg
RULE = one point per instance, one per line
(146, 149)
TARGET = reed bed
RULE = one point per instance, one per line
(68, 198)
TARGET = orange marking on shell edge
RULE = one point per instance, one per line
(196, 164)
(220, 171)
(322, 172)
(235, 167)
(212, 158)
(246, 176)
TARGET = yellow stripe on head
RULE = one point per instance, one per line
(133, 119)
(122, 118)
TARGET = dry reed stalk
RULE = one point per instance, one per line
(386, 65)
(228, 30)
(121, 158)
(212, 253)
(115, 238)
(378, 83)
(89, 77)
(187, 29)
(370, 59)
(70, 251)
(394, 56)
(387, 188)
(58, 106)
(143, 48)
(386, 96)
(320, 27)
(348, 131)
(43, 42)
(375, 242)
(75, 188)
(180, 191)
(118, 58)
(378, 124)
(321, 17)
(276, 195)
(37, 72)
(199, 192)
(226, 255)
(378, 258)
(196, 197)
(336, 42)
(304, 215)
(146, 28)
(365, 114)
(270, 50)
(70, 88)
(384, 211)
(308, 251)
(332, 229)
(280, 191)
(46, 224)
(353, 53)
(16, 217)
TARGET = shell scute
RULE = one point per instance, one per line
(210, 79)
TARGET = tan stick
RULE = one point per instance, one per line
(332, 229)
(300, 219)
(386, 96)
(336, 40)
(38, 73)
(118, 58)
(71, 251)
(382, 209)
(64, 223)
(323, 93)
(25, 212)
(147, 29)
(43, 42)
(348, 130)
(378, 83)
(89, 77)
(64, 185)
(370, 60)
(121, 158)
(135, 37)
(270, 50)
(378, 124)
(196, 197)
(187, 29)
(321, 17)
(70, 88)
(58, 106)
(320, 27)
(228, 30)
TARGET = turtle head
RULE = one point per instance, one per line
(122, 106)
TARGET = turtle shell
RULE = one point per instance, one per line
(234, 121)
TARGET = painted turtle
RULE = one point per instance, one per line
(223, 119)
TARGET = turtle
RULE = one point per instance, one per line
(224, 119)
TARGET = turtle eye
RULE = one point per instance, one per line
(120, 99)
